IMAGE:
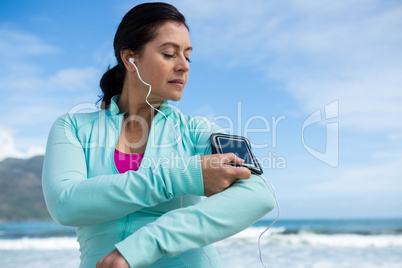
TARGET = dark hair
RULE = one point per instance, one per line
(137, 28)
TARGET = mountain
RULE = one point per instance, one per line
(21, 196)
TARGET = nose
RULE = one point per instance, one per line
(182, 64)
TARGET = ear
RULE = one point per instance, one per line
(125, 55)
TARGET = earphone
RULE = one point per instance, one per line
(132, 61)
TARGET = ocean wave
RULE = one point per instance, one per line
(335, 232)
(279, 236)
(15, 230)
(16, 235)
(53, 243)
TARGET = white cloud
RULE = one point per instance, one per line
(395, 137)
(31, 98)
(77, 79)
(34, 101)
(72, 79)
(20, 73)
(15, 44)
(9, 148)
(385, 178)
(31, 104)
(206, 111)
(321, 50)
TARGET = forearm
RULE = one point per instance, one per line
(78, 201)
(211, 220)
(74, 199)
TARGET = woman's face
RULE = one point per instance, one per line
(165, 62)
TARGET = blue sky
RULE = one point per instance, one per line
(315, 85)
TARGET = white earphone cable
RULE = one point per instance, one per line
(146, 99)
(277, 217)
(177, 141)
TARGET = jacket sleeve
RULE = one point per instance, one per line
(73, 199)
(213, 219)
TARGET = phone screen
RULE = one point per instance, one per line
(238, 147)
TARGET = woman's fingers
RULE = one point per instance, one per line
(113, 259)
(231, 158)
(241, 172)
(238, 171)
(218, 175)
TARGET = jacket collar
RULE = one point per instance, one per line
(114, 109)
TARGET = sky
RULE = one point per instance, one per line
(316, 86)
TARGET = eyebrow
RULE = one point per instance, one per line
(175, 46)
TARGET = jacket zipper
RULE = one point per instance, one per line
(126, 227)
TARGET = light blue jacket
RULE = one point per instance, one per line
(155, 216)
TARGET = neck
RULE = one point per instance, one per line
(132, 102)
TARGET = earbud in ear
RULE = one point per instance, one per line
(131, 60)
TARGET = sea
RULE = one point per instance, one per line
(351, 243)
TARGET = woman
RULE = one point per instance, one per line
(130, 177)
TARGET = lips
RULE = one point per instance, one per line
(177, 83)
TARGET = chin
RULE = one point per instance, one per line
(176, 98)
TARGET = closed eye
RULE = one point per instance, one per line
(168, 55)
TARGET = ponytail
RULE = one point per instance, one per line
(111, 84)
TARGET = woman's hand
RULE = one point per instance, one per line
(113, 260)
(217, 175)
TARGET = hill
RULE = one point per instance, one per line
(21, 196)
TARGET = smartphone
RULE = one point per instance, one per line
(240, 146)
